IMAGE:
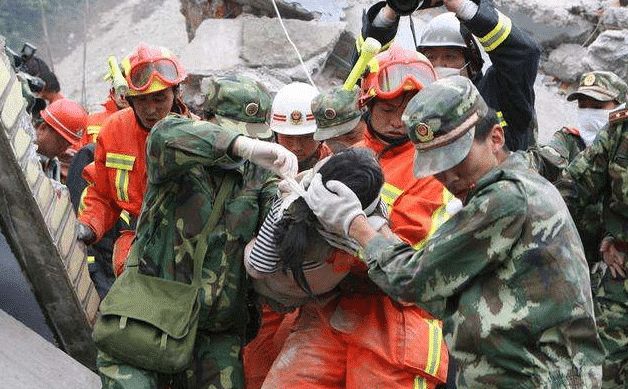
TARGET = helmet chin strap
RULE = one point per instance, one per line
(392, 141)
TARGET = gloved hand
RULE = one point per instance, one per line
(271, 156)
(85, 234)
(335, 205)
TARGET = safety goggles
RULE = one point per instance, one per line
(397, 78)
(142, 75)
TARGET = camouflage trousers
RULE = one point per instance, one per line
(217, 364)
(611, 305)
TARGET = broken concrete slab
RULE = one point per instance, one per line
(216, 47)
(566, 62)
(609, 52)
(28, 361)
(297, 9)
(551, 23)
(615, 18)
(265, 44)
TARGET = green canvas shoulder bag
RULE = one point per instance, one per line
(150, 322)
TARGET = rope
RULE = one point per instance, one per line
(296, 50)
(84, 89)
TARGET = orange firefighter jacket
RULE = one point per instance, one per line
(96, 120)
(120, 173)
(416, 206)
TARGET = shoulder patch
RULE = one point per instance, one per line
(618, 116)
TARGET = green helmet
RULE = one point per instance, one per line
(440, 121)
(336, 112)
(239, 103)
(601, 86)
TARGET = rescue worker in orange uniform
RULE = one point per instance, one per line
(153, 75)
(62, 126)
(96, 120)
(394, 77)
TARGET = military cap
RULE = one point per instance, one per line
(239, 103)
(336, 112)
(601, 86)
(440, 121)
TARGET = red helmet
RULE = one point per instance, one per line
(394, 72)
(68, 118)
(151, 69)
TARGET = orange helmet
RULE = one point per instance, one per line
(68, 118)
(151, 69)
(394, 72)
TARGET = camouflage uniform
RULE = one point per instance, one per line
(336, 112)
(601, 172)
(507, 273)
(239, 103)
(567, 143)
(186, 162)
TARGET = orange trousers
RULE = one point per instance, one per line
(361, 342)
(258, 356)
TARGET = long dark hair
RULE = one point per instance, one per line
(297, 233)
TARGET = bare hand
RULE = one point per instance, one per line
(453, 5)
(614, 258)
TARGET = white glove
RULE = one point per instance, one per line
(335, 206)
(271, 156)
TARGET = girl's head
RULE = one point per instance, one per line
(358, 169)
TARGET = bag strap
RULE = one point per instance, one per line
(226, 186)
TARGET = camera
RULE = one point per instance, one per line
(28, 51)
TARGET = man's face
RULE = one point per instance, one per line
(588, 102)
(386, 115)
(49, 142)
(153, 107)
(303, 146)
(446, 57)
(482, 158)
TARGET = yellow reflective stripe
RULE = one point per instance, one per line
(501, 120)
(498, 34)
(122, 184)
(81, 206)
(389, 194)
(120, 161)
(420, 383)
(439, 217)
(91, 259)
(93, 129)
(435, 340)
(124, 215)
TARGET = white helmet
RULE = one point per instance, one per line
(292, 110)
(442, 30)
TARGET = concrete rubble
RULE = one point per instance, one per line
(245, 37)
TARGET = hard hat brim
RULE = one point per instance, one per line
(322, 134)
(301, 129)
(253, 130)
(437, 160)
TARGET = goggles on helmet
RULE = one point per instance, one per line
(397, 78)
(142, 75)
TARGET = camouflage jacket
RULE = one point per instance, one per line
(601, 171)
(186, 161)
(550, 161)
(507, 275)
